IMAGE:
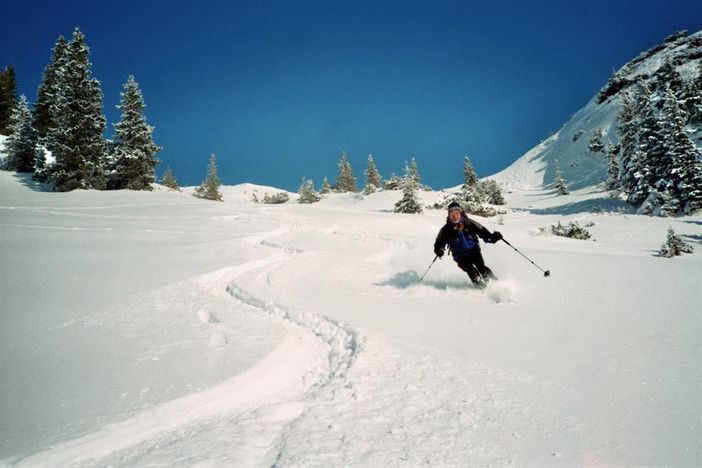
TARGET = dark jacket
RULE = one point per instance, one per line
(462, 237)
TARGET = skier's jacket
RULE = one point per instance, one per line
(461, 237)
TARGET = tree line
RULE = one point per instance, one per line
(656, 164)
(473, 195)
(61, 139)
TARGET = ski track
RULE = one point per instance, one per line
(340, 393)
(254, 402)
(257, 388)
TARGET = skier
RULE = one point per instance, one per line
(461, 234)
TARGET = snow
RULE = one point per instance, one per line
(157, 329)
(567, 147)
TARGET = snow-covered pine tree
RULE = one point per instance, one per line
(307, 192)
(170, 181)
(641, 178)
(394, 182)
(473, 193)
(596, 143)
(8, 98)
(560, 183)
(276, 198)
(345, 182)
(133, 147)
(674, 245)
(689, 98)
(648, 162)
(668, 201)
(613, 167)
(77, 142)
(683, 174)
(470, 179)
(326, 186)
(409, 202)
(668, 75)
(373, 179)
(627, 121)
(40, 163)
(49, 91)
(492, 193)
(692, 103)
(21, 146)
(209, 189)
(414, 173)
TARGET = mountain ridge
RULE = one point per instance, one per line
(568, 149)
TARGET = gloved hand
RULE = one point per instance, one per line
(496, 236)
(439, 252)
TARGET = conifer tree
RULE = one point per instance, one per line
(627, 120)
(470, 195)
(133, 147)
(613, 167)
(209, 189)
(409, 202)
(326, 186)
(170, 181)
(693, 104)
(8, 98)
(394, 182)
(668, 75)
(683, 174)
(77, 141)
(596, 143)
(50, 88)
(641, 178)
(674, 245)
(414, 173)
(373, 179)
(345, 182)
(669, 203)
(21, 146)
(560, 183)
(307, 192)
(470, 179)
(492, 193)
(652, 161)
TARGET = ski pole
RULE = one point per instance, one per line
(430, 265)
(546, 272)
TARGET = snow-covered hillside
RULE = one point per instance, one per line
(157, 329)
(568, 146)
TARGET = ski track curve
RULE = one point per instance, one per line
(389, 404)
(254, 407)
(256, 435)
(329, 395)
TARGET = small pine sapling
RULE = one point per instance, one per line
(170, 181)
(209, 189)
(674, 245)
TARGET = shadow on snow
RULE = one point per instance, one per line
(27, 179)
(406, 279)
(596, 205)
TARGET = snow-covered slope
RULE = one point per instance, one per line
(568, 147)
(156, 329)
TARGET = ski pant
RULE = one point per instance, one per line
(473, 264)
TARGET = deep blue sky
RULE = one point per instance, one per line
(278, 89)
